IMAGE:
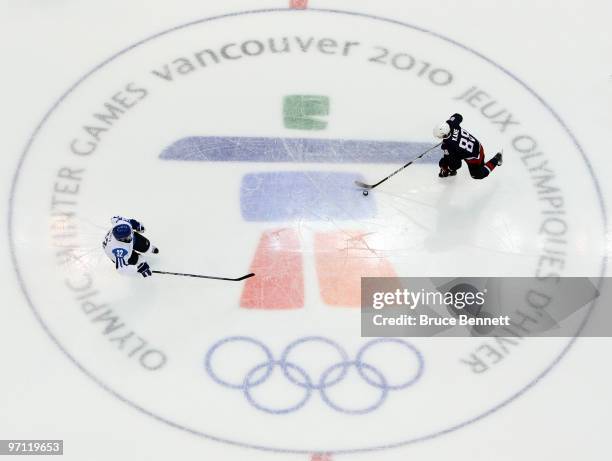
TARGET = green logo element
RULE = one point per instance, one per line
(300, 111)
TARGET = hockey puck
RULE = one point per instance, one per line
(365, 192)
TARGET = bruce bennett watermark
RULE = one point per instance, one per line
(479, 306)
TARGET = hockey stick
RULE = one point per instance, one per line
(206, 276)
(372, 186)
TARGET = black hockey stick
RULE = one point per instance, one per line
(372, 186)
(206, 276)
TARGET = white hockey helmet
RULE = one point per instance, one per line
(441, 131)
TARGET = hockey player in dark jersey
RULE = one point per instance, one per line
(459, 145)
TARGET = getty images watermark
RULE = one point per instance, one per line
(477, 306)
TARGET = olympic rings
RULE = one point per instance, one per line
(341, 352)
(332, 376)
(359, 411)
(297, 406)
(246, 339)
(394, 387)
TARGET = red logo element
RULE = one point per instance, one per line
(298, 4)
(342, 258)
(280, 277)
(321, 457)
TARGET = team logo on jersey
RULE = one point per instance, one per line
(252, 128)
(120, 254)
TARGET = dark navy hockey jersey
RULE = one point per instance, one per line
(460, 144)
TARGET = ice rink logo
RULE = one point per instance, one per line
(323, 382)
(243, 134)
(307, 196)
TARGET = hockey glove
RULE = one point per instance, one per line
(446, 172)
(144, 269)
(137, 226)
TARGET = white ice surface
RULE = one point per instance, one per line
(43, 395)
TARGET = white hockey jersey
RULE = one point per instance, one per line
(120, 252)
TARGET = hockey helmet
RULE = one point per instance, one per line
(122, 232)
(442, 131)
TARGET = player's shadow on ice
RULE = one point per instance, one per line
(460, 214)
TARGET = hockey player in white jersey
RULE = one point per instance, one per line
(125, 245)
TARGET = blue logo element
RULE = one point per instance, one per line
(120, 254)
(293, 150)
(289, 195)
(299, 377)
(305, 195)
